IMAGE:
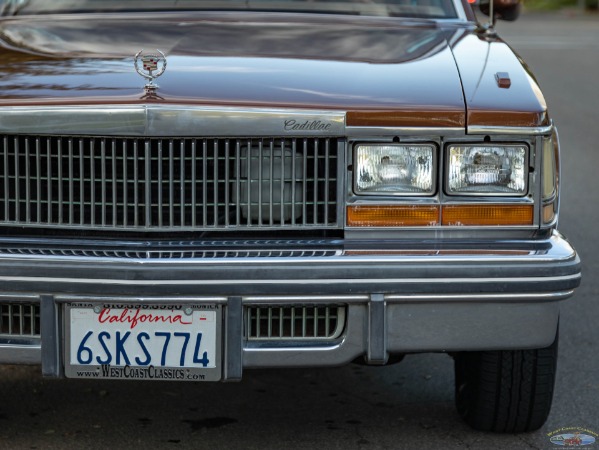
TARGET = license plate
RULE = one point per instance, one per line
(143, 342)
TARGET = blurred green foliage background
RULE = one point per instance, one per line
(551, 5)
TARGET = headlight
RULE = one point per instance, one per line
(487, 170)
(395, 169)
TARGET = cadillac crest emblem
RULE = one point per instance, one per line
(152, 66)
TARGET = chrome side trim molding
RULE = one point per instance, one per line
(487, 298)
(415, 298)
(526, 131)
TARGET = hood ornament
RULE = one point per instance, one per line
(152, 67)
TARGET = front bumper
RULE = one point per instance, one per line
(399, 298)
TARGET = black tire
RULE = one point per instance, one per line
(508, 391)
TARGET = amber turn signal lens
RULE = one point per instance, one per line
(487, 215)
(392, 216)
(548, 213)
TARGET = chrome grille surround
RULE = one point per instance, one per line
(294, 323)
(20, 320)
(158, 184)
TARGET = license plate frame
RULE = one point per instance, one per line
(191, 323)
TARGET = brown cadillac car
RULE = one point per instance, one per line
(190, 189)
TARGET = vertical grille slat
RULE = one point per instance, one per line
(125, 197)
(16, 177)
(204, 184)
(114, 175)
(250, 182)
(27, 185)
(49, 181)
(305, 178)
(82, 185)
(215, 182)
(171, 184)
(103, 179)
(293, 180)
(315, 202)
(282, 184)
(159, 183)
(151, 184)
(269, 322)
(271, 169)
(38, 181)
(60, 182)
(227, 183)
(327, 169)
(6, 181)
(71, 185)
(148, 185)
(136, 184)
(238, 183)
(92, 174)
(194, 151)
(183, 210)
(10, 316)
(260, 181)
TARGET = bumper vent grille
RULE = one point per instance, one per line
(154, 184)
(170, 254)
(284, 323)
(19, 320)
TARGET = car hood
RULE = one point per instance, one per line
(405, 69)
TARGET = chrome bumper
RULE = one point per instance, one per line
(429, 298)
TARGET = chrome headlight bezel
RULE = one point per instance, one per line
(490, 190)
(390, 191)
(550, 178)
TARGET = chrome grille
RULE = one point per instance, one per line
(19, 320)
(154, 184)
(305, 322)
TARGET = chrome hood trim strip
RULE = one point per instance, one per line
(170, 120)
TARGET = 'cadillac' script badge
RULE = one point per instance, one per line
(152, 66)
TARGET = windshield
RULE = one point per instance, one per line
(385, 8)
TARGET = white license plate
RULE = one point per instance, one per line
(143, 342)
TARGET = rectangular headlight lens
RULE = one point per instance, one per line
(487, 170)
(395, 169)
